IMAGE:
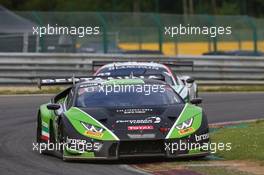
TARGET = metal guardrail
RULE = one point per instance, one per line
(26, 68)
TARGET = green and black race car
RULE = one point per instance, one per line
(120, 118)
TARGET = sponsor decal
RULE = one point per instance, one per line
(156, 119)
(93, 130)
(141, 136)
(145, 127)
(133, 66)
(148, 120)
(185, 131)
(95, 134)
(201, 137)
(185, 125)
(133, 111)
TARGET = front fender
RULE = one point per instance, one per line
(188, 112)
(76, 116)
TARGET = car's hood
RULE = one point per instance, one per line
(117, 123)
(137, 123)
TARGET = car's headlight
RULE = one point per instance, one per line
(91, 130)
(186, 124)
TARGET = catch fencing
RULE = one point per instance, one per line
(122, 32)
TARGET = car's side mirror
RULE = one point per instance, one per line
(189, 80)
(53, 106)
(196, 101)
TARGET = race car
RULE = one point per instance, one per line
(184, 85)
(89, 120)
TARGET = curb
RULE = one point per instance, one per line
(232, 123)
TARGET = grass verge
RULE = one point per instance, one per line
(247, 146)
(247, 141)
(245, 158)
(29, 90)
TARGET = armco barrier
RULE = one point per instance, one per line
(18, 68)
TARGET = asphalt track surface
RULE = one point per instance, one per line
(18, 128)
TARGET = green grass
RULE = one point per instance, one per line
(247, 142)
(29, 90)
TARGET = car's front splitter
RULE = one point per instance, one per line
(113, 150)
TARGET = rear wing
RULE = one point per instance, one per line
(71, 81)
(56, 81)
(98, 64)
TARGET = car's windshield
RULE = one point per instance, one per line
(95, 96)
